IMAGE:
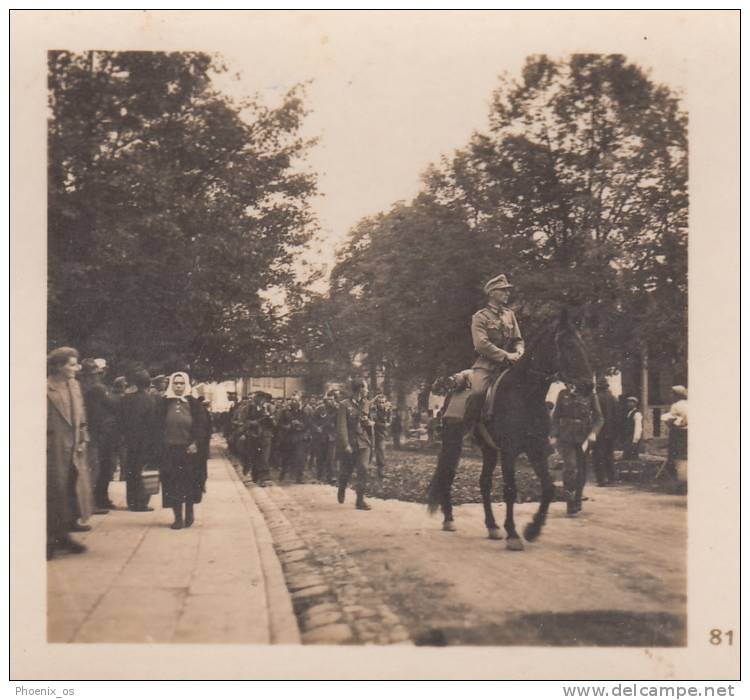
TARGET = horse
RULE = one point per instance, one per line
(519, 423)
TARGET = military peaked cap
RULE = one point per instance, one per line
(499, 282)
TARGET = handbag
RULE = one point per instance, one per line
(150, 481)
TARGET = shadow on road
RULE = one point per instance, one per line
(584, 628)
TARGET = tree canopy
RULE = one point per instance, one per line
(171, 208)
(578, 191)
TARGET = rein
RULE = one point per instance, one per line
(558, 373)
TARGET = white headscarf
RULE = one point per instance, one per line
(169, 393)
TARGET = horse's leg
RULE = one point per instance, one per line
(508, 456)
(537, 455)
(489, 462)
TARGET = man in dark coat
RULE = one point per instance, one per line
(101, 410)
(355, 441)
(138, 424)
(604, 447)
(68, 484)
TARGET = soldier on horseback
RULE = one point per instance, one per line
(518, 419)
(496, 336)
(498, 343)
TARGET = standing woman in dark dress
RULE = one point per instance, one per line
(185, 431)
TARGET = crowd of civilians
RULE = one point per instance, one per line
(93, 430)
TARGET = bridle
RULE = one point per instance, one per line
(558, 374)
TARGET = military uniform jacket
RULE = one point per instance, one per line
(259, 422)
(494, 332)
(353, 424)
(324, 422)
(381, 416)
(576, 416)
(294, 425)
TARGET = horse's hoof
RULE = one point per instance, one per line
(494, 533)
(448, 526)
(530, 532)
(514, 544)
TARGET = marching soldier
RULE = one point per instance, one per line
(576, 422)
(294, 426)
(260, 428)
(355, 442)
(324, 438)
(381, 418)
(240, 434)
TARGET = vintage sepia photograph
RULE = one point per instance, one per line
(375, 330)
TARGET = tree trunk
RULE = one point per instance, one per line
(373, 375)
(644, 384)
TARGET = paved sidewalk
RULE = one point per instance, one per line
(140, 581)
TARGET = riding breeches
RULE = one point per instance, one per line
(467, 404)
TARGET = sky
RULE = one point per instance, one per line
(392, 92)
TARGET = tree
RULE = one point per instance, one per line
(582, 180)
(578, 192)
(171, 207)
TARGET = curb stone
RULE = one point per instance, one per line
(282, 621)
(331, 598)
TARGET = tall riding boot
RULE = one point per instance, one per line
(189, 517)
(177, 524)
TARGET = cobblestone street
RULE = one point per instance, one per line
(615, 575)
(289, 564)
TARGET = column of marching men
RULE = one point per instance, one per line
(328, 438)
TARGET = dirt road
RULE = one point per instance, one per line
(615, 575)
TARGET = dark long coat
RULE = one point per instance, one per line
(66, 432)
(200, 433)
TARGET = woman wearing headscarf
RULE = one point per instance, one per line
(68, 484)
(184, 429)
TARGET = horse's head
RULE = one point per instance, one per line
(559, 354)
(572, 361)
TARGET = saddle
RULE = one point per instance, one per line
(489, 397)
(475, 411)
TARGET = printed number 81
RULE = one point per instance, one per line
(717, 637)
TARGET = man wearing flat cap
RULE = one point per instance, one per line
(633, 430)
(495, 334)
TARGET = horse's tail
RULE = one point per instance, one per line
(438, 489)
